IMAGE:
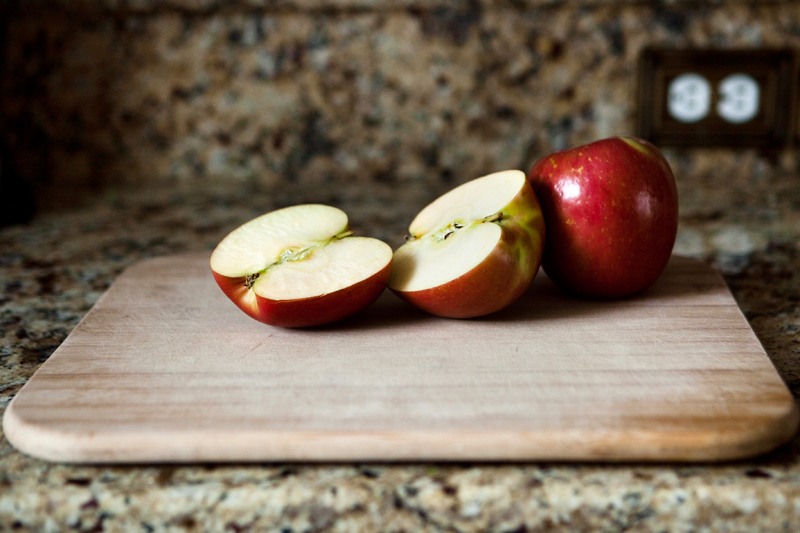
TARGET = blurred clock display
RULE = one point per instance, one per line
(716, 97)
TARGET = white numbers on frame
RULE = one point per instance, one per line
(689, 98)
(739, 98)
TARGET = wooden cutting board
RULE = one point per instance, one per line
(165, 369)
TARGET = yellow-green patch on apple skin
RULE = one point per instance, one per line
(502, 277)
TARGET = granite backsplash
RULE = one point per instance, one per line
(348, 93)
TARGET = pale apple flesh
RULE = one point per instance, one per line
(474, 250)
(300, 266)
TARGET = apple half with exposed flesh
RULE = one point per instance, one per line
(301, 266)
(474, 250)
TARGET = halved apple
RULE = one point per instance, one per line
(300, 266)
(474, 250)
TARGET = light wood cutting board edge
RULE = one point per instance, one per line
(713, 445)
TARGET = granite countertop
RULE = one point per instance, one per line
(53, 269)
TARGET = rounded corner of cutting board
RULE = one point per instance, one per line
(37, 440)
(781, 428)
(748, 442)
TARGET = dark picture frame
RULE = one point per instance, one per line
(774, 70)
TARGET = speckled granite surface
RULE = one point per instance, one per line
(219, 113)
(54, 269)
(423, 96)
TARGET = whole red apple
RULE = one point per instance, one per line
(611, 213)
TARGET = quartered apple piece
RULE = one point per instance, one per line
(300, 266)
(474, 250)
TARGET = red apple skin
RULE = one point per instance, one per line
(305, 312)
(611, 211)
(502, 277)
(489, 287)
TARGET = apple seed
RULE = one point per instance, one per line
(451, 228)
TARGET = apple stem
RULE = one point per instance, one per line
(344, 234)
(497, 217)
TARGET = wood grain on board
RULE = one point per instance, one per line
(165, 369)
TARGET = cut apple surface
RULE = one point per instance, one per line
(300, 266)
(474, 250)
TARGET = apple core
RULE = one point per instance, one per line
(300, 266)
(472, 251)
